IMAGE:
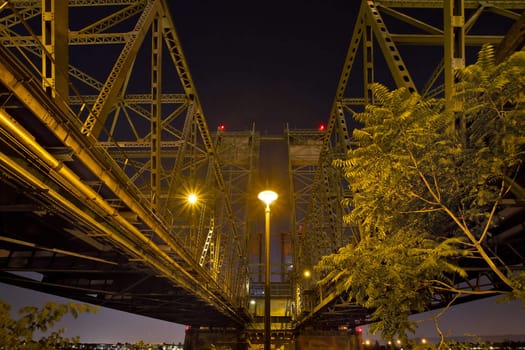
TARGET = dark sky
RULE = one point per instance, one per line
(269, 63)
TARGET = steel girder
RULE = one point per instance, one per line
(440, 33)
(130, 145)
(452, 31)
(383, 33)
(238, 154)
(317, 190)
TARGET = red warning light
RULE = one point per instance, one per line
(321, 127)
(187, 328)
(221, 127)
(359, 330)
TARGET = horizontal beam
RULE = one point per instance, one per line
(469, 4)
(437, 40)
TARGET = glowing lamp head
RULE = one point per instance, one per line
(221, 127)
(192, 198)
(321, 127)
(267, 197)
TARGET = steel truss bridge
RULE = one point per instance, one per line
(100, 146)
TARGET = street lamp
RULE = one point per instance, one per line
(267, 197)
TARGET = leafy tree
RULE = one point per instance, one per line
(425, 193)
(19, 333)
(138, 345)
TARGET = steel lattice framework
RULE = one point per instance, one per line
(119, 144)
(389, 42)
(103, 136)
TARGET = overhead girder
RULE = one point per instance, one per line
(374, 36)
(324, 229)
(238, 154)
(304, 148)
(317, 190)
(120, 180)
(438, 4)
(131, 39)
(55, 47)
(118, 229)
(133, 144)
(111, 20)
(513, 40)
(107, 97)
(111, 86)
(448, 39)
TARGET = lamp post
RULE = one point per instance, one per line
(267, 197)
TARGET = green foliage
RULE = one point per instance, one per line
(425, 191)
(19, 333)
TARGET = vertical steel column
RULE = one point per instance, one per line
(454, 50)
(55, 51)
(368, 63)
(156, 112)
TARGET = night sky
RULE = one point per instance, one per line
(270, 63)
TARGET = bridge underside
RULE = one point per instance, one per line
(53, 239)
(95, 164)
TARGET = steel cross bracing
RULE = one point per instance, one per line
(317, 189)
(390, 37)
(97, 154)
(102, 152)
(389, 40)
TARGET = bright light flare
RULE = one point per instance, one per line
(192, 198)
(267, 196)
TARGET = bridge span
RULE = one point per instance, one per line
(100, 147)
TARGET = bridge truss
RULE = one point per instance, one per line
(103, 137)
(417, 45)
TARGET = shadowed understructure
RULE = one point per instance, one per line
(103, 137)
